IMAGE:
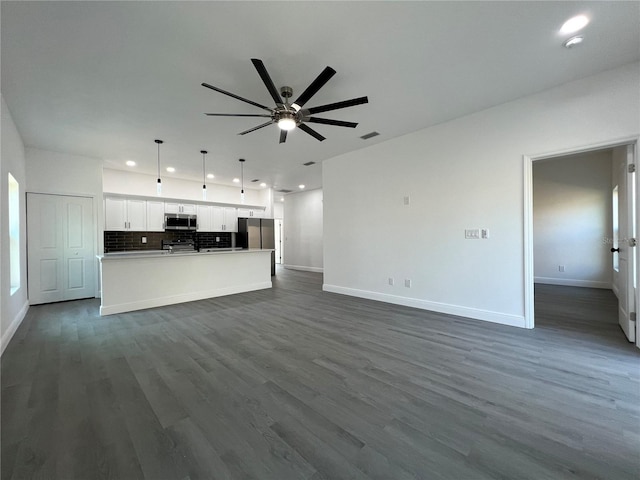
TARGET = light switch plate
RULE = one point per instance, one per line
(472, 234)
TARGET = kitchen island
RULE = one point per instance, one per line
(137, 280)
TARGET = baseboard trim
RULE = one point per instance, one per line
(468, 312)
(182, 298)
(13, 327)
(304, 268)
(571, 282)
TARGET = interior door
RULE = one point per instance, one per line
(61, 255)
(78, 254)
(625, 277)
(44, 256)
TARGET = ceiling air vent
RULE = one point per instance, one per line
(369, 135)
(308, 164)
(284, 190)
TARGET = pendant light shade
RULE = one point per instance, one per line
(159, 182)
(204, 176)
(242, 180)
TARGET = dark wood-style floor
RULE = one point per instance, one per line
(294, 383)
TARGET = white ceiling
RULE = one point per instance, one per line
(104, 79)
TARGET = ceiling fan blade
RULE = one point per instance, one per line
(326, 121)
(316, 85)
(311, 132)
(283, 136)
(264, 75)
(237, 115)
(335, 106)
(237, 97)
(266, 124)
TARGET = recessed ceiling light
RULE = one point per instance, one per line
(210, 175)
(171, 169)
(301, 187)
(573, 41)
(263, 184)
(236, 180)
(282, 199)
(131, 163)
(574, 24)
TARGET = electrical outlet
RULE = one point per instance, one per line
(143, 239)
(391, 282)
(484, 233)
(472, 234)
(217, 239)
(407, 200)
(561, 268)
(407, 283)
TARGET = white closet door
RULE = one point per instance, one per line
(79, 255)
(61, 255)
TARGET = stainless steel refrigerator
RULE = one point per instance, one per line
(257, 233)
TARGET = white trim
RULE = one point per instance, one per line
(573, 282)
(527, 160)
(304, 268)
(181, 298)
(13, 327)
(615, 289)
(467, 312)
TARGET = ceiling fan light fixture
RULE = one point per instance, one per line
(287, 122)
(159, 182)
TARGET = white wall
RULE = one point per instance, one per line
(12, 307)
(65, 174)
(572, 215)
(131, 183)
(303, 226)
(466, 173)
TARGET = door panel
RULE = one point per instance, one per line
(625, 276)
(78, 252)
(44, 239)
(49, 276)
(75, 273)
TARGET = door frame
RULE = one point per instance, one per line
(527, 160)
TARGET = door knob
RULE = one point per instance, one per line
(614, 250)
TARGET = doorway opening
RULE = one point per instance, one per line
(569, 226)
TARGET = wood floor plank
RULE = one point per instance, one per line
(293, 383)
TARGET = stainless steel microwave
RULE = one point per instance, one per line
(180, 221)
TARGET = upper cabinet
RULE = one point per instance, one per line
(250, 213)
(204, 218)
(155, 216)
(171, 207)
(148, 214)
(125, 214)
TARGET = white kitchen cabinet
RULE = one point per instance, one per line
(224, 219)
(250, 213)
(155, 216)
(205, 220)
(121, 214)
(171, 207)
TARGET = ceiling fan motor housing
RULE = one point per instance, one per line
(286, 92)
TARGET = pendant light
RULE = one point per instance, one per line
(159, 183)
(204, 176)
(242, 180)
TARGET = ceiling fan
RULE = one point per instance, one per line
(291, 115)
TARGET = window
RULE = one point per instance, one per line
(14, 233)
(615, 226)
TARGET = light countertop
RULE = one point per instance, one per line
(131, 254)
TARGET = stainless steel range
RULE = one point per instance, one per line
(179, 246)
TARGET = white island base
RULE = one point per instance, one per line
(137, 281)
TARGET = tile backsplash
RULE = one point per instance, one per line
(115, 241)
